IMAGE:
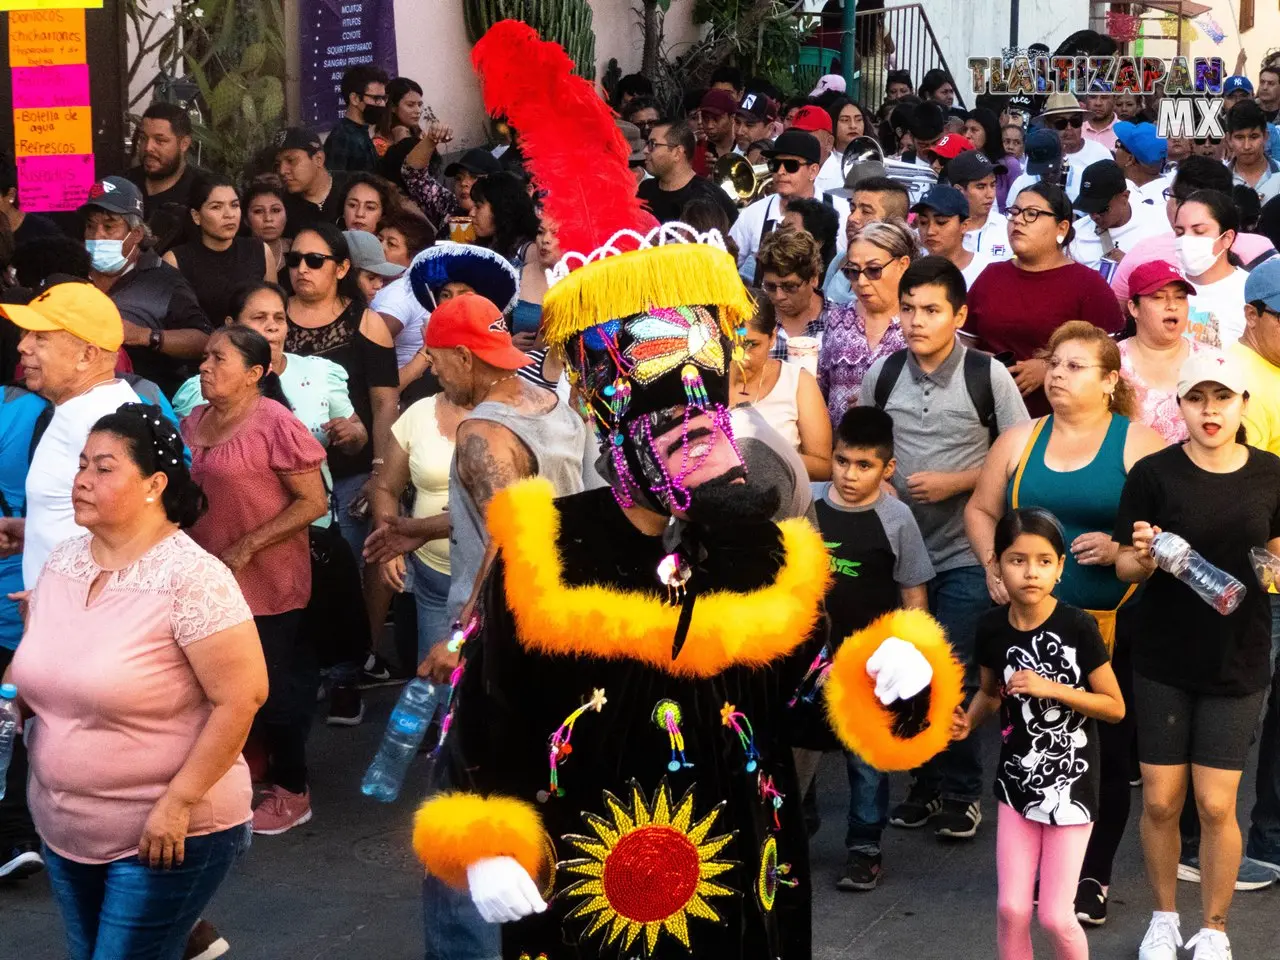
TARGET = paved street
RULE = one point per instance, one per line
(345, 886)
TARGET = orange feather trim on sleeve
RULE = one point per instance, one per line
(454, 830)
(858, 717)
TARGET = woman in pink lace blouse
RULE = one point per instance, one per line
(139, 674)
(260, 467)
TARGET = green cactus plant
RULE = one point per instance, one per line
(567, 22)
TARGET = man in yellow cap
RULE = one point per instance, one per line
(72, 335)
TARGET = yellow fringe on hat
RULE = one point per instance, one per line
(673, 275)
(451, 831)
(858, 717)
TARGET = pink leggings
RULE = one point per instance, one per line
(1022, 846)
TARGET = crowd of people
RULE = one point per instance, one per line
(251, 417)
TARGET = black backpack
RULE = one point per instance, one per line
(977, 380)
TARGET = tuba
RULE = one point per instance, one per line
(743, 182)
(867, 150)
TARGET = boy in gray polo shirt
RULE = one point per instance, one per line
(941, 439)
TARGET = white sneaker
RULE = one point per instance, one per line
(1210, 945)
(1163, 938)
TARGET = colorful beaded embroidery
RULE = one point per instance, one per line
(737, 721)
(648, 869)
(772, 875)
(561, 747)
(770, 794)
(667, 716)
(814, 678)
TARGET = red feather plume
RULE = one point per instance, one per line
(571, 144)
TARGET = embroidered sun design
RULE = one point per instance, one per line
(665, 338)
(647, 869)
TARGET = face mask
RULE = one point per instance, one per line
(373, 114)
(107, 256)
(1195, 254)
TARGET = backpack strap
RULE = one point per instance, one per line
(1259, 260)
(977, 380)
(889, 374)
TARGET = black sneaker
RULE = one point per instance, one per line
(917, 810)
(861, 871)
(205, 943)
(1091, 903)
(376, 672)
(346, 707)
(21, 861)
(959, 819)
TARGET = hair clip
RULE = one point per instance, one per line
(561, 747)
(737, 721)
(667, 716)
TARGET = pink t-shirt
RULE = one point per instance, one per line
(1158, 409)
(1163, 246)
(117, 706)
(240, 476)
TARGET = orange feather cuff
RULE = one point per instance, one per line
(858, 717)
(454, 830)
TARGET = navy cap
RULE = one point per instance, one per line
(115, 195)
(1101, 182)
(1043, 150)
(1263, 283)
(945, 200)
(1141, 140)
(1236, 83)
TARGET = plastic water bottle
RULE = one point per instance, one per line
(1216, 587)
(418, 705)
(10, 720)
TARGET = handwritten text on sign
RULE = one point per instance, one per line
(43, 133)
(54, 183)
(45, 38)
(64, 86)
(48, 4)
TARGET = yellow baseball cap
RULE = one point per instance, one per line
(81, 309)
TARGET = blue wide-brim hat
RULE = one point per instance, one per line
(487, 273)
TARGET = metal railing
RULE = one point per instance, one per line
(895, 38)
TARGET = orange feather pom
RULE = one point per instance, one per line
(454, 830)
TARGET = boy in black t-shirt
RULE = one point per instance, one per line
(879, 563)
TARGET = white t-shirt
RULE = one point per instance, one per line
(1216, 315)
(397, 300)
(50, 516)
(1148, 220)
(1076, 162)
(829, 176)
(992, 238)
(747, 229)
(979, 263)
(1154, 190)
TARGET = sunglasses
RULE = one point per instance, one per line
(314, 261)
(1202, 141)
(1061, 123)
(872, 271)
(789, 164)
(788, 287)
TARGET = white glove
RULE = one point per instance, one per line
(502, 890)
(899, 670)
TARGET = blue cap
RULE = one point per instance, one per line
(1263, 283)
(1043, 149)
(8, 692)
(1236, 83)
(1140, 139)
(946, 200)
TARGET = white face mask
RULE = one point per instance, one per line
(107, 256)
(1195, 254)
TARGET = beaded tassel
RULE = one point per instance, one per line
(561, 747)
(770, 794)
(694, 389)
(737, 721)
(778, 873)
(817, 673)
(739, 352)
(667, 716)
(455, 678)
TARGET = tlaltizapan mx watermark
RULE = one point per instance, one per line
(1191, 105)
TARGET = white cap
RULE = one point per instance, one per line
(1210, 366)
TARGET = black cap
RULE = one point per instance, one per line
(796, 143)
(477, 160)
(1100, 183)
(115, 195)
(757, 108)
(299, 138)
(972, 165)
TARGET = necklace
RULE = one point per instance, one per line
(489, 389)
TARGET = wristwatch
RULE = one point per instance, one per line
(156, 340)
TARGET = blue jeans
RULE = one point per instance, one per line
(125, 909)
(431, 595)
(868, 805)
(355, 532)
(1264, 830)
(957, 599)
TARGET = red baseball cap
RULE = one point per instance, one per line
(719, 101)
(951, 146)
(1156, 275)
(473, 322)
(811, 119)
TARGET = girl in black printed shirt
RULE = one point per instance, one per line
(1045, 668)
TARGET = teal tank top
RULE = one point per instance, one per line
(1084, 501)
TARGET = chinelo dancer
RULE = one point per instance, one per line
(617, 742)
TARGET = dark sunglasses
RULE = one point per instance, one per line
(872, 271)
(1061, 123)
(790, 164)
(1202, 141)
(314, 261)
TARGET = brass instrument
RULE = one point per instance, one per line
(867, 150)
(743, 182)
